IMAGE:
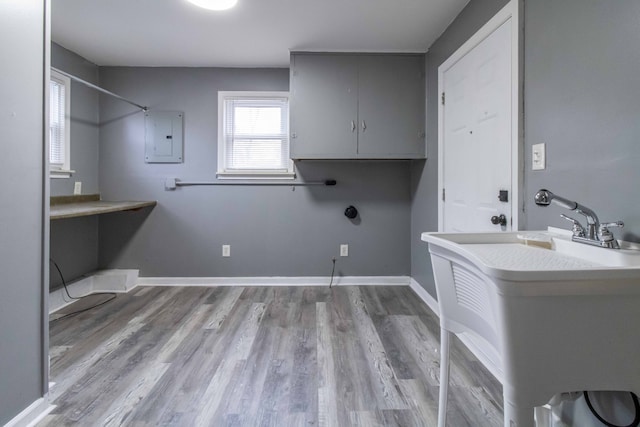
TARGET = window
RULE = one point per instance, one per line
(253, 135)
(59, 129)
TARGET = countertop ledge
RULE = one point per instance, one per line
(86, 205)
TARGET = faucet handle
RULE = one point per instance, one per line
(606, 236)
(612, 224)
(577, 229)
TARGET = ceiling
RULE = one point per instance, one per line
(256, 33)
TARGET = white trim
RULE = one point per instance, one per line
(480, 349)
(117, 281)
(275, 281)
(426, 105)
(64, 170)
(32, 414)
(510, 11)
(61, 173)
(257, 175)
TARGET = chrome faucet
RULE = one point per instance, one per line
(595, 233)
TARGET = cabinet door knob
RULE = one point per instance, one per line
(353, 126)
(364, 126)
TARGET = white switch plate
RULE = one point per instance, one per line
(344, 250)
(77, 188)
(538, 160)
(226, 250)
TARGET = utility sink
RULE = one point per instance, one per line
(550, 257)
(553, 315)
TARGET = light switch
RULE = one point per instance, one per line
(538, 160)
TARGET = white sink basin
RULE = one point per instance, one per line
(505, 256)
(558, 319)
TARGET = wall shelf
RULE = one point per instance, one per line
(63, 207)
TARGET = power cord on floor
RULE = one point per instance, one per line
(64, 284)
(333, 269)
(636, 405)
(62, 278)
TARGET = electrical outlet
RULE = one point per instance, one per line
(344, 250)
(226, 250)
(538, 157)
(77, 188)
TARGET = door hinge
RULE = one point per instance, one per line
(442, 98)
(443, 194)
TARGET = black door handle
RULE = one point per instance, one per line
(502, 220)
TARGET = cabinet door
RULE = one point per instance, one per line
(323, 106)
(392, 106)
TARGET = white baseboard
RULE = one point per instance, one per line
(476, 345)
(274, 281)
(32, 414)
(118, 281)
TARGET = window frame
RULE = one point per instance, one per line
(223, 171)
(57, 170)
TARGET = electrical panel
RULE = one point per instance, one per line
(163, 136)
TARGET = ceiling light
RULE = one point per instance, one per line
(214, 4)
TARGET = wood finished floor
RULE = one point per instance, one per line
(262, 356)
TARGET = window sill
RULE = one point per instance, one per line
(60, 173)
(255, 176)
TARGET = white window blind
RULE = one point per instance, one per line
(255, 134)
(59, 131)
(57, 124)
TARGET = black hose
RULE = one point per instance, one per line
(636, 405)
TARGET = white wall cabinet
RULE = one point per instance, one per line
(357, 106)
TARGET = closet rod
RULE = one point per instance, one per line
(171, 183)
(98, 88)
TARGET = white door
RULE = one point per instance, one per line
(476, 136)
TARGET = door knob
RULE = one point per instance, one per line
(502, 220)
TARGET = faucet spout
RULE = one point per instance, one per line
(545, 197)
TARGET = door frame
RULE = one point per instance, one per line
(511, 11)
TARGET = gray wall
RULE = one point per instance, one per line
(273, 231)
(74, 242)
(84, 123)
(74, 247)
(581, 98)
(424, 174)
(22, 221)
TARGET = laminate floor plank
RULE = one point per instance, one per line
(238, 351)
(247, 387)
(423, 399)
(224, 303)
(87, 331)
(367, 419)
(198, 362)
(419, 347)
(262, 356)
(354, 384)
(328, 398)
(383, 377)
